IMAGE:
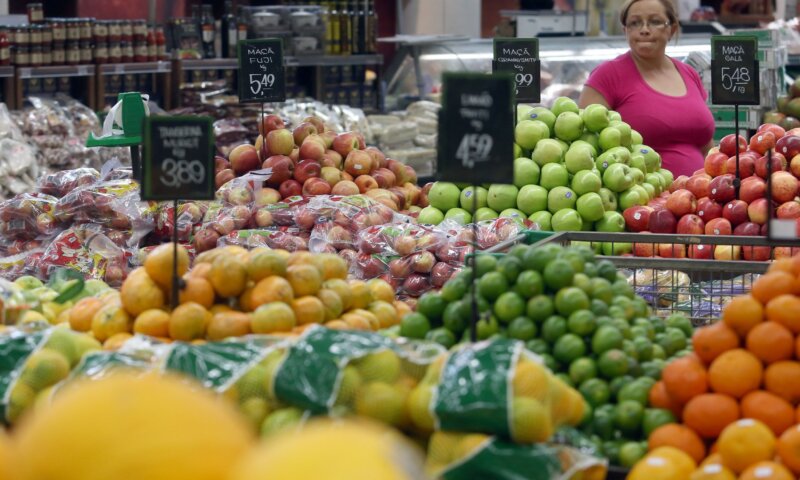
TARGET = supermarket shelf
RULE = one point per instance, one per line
(143, 67)
(210, 64)
(56, 71)
(6, 72)
(289, 61)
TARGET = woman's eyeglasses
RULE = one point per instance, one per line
(652, 24)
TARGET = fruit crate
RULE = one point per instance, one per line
(695, 287)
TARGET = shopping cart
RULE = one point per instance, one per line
(697, 288)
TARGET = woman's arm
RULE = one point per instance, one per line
(590, 96)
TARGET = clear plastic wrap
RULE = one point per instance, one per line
(62, 182)
(290, 239)
(29, 216)
(190, 215)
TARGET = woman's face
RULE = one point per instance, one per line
(648, 29)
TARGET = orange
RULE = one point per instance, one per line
(656, 468)
(745, 443)
(115, 341)
(246, 299)
(198, 290)
(159, 264)
(308, 309)
(712, 471)
(736, 373)
(684, 378)
(678, 436)
(333, 303)
(80, 315)
(337, 325)
(228, 275)
(789, 449)
(188, 322)
(301, 257)
(771, 285)
(361, 296)
(683, 462)
(775, 412)
(797, 347)
(743, 313)
(342, 289)
(381, 290)
(766, 471)
(781, 378)
(304, 279)
(200, 270)
(228, 324)
(785, 309)
(708, 414)
(110, 320)
(356, 322)
(330, 265)
(385, 313)
(781, 264)
(770, 342)
(271, 289)
(713, 457)
(797, 415)
(659, 398)
(263, 262)
(711, 341)
(152, 322)
(139, 293)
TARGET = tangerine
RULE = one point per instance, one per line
(789, 448)
(771, 285)
(708, 414)
(785, 310)
(743, 313)
(110, 320)
(736, 373)
(781, 378)
(659, 398)
(772, 410)
(308, 309)
(684, 378)
(745, 443)
(766, 471)
(228, 324)
(160, 262)
(198, 290)
(228, 275)
(678, 436)
(80, 315)
(153, 322)
(770, 342)
(139, 293)
(711, 341)
(271, 289)
(188, 322)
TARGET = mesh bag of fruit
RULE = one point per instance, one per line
(494, 387)
(457, 456)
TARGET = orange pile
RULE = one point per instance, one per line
(739, 394)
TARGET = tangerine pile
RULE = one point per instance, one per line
(232, 292)
(739, 393)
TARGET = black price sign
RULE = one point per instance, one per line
(261, 75)
(476, 128)
(178, 158)
(734, 70)
(520, 56)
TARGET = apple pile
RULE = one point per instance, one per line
(706, 203)
(312, 160)
(574, 170)
(787, 115)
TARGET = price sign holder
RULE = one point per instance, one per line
(520, 56)
(476, 139)
(178, 165)
(132, 112)
(735, 78)
(262, 77)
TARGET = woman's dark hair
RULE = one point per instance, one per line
(672, 16)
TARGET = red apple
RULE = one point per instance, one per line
(295, 155)
(701, 252)
(708, 209)
(764, 229)
(362, 143)
(671, 250)
(659, 203)
(698, 184)
(358, 162)
(399, 170)
(678, 183)
(378, 158)
(719, 226)
(345, 187)
(385, 178)
(261, 148)
(757, 254)
(244, 158)
(748, 229)
(784, 187)
(681, 202)
(788, 146)
(223, 177)
(220, 163)
(728, 144)
(721, 188)
(662, 221)
(786, 252)
(303, 130)
(317, 122)
(311, 149)
(789, 210)
(411, 175)
(365, 183)
(757, 211)
(316, 186)
(269, 123)
(306, 169)
(282, 169)
(727, 252)
(344, 143)
(637, 217)
(763, 141)
(776, 130)
(747, 166)
(690, 225)
(332, 175)
(347, 176)
(714, 164)
(752, 188)
(778, 164)
(645, 249)
(290, 188)
(280, 142)
(328, 136)
(735, 211)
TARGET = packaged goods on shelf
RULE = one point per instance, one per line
(410, 136)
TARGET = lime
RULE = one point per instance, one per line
(583, 282)
(628, 416)
(598, 307)
(619, 382)
(508, 306)
(590, 269)
(558, 274)
(636, 391)
(616, 312)
(606, 338)
(484, 263)
(601, 290)
(571, 299)
(550, 362)
(553, 328)
(630, 453)
(465, 275)
(659, 353)
(630, 349)
(603, 423)
(432, 305)
(568, 348)
(442, 336)
(627, 306)
(642, 308)
(673, 341)
(538, 258)
(653, 368)
(582, 369)
(603, 320)
(623, 326)
(538, 346)
(658, 324)
(453, 318)
(677, 320)
(613, 363)
(521, 328)
(654, 418)
(640, 331)
(581, 323)
(634, 369)
(611, 448)
(643, 346)
(492, 285)
(487, 327)
(595, 391)
(518, 250)
(414, 325)
(454, 289)
(574, 258)
(529, 284)
(621, 287)
(607, 270)
(509, 266)
(540, 308)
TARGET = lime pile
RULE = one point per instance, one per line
(582, 317)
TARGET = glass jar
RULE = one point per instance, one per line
(127, 52)
(73, 53)
(100, 31)
(5, 48)
(59, 30)
(35, 13)
(86, 52)
(140, 52)
(139, 31)
(101, 53)
(86, 29)
(73, 29)
(114, 53)
(47, 34)
(36, 56)
(47, 55)
(22, 56)
(161, 43)
(126, 31)
(152, 48)
(22, 36)
(114, 31)
(35, 35)
(59, 54)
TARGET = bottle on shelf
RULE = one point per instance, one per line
(229, 31)
(346, 28)
(241, 25)
(334, 29)
(372, 28)
(357, 34)
(208, 30)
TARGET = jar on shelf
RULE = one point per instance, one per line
(47, 55)
(114, 31)
(22, 56)
(101, 53)
(73, 53)
(73, 29)
(59, 29)
(35, 13)
(139, 31)
(114, 53)
(161, 43)
(127, 52)
(59, 53)
(47, 34)
(5, 47)
(86, 52)
(22, 37)
(36, 56)
(86, 29)
(152, 48)
(126, 31)
(140, 52)
(35, 35)
(100, 31)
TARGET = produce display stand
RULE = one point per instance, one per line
(158, 75)
(85, 73)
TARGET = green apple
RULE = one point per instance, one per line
(611, 222)
(642, 193)
(590, 206)
(543, 219)
(430, 216)
(547, 151)
(631, 197)
(609, 138)
(636, 137)
(592, 139)
(637, 161)
(468, 201)
(484, 213)
(583, 143)
(586, 181)
(579, 157)
(622, 152)
(609, 199)
(502, 196)
(638, 175)
(560, 198)
(564, 104)
(458, 215)
(569, 126)
(543, 115)
(667, 176)
(566, 220)
(595, 117)
(624, 130)
(614, 115)
(605, 159)
(528, 132)
(444, 196)
(651, 191)
(532, 198)
(656, 180)
(518, 151)
(554, 175)
(651, 158)
(526, 172)
(523, 112)
(512, 213)
(587, 226)
(616, 248)
(618, 177)
(564, 145)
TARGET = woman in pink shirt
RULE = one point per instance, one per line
(660, 97)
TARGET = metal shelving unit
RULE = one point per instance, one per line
(85, 72)
(159, 73)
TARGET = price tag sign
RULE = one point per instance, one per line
(476, 128)
(520, 56)
(734, 70)
(261, 75)
(178, 158)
